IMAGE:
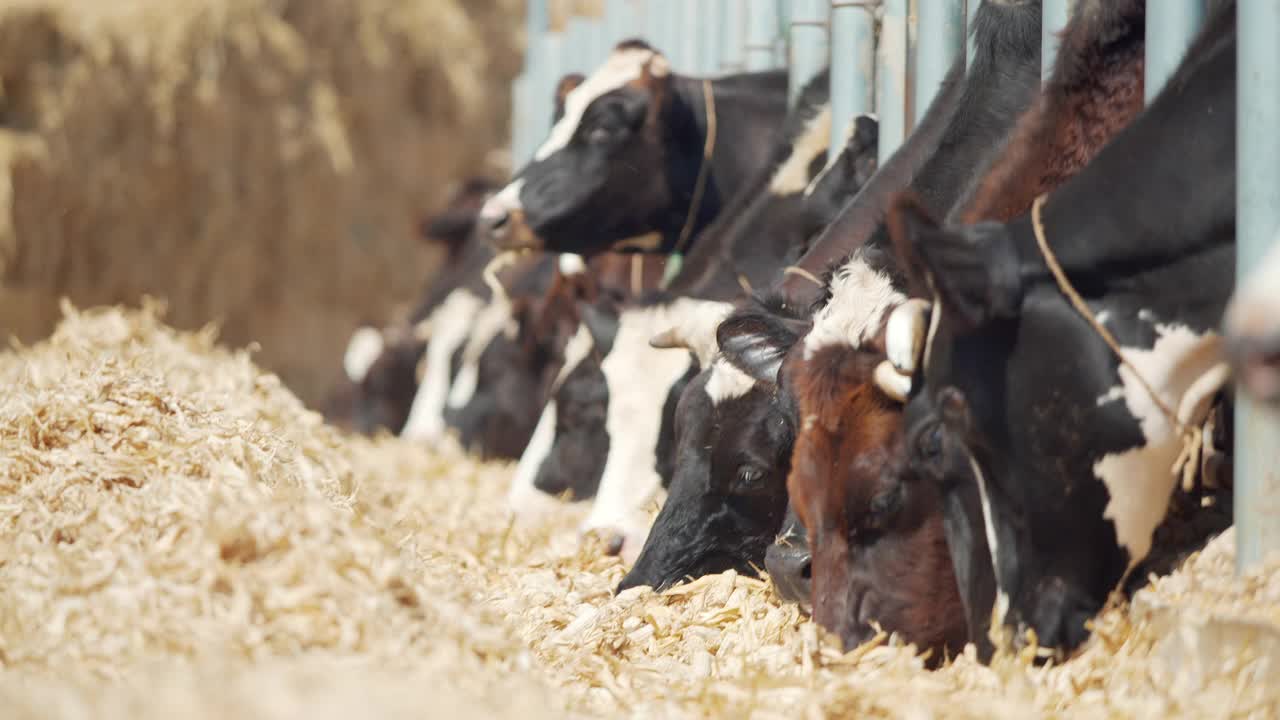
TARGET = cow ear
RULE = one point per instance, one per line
(756, 343)
(601, 319)
(563, 88)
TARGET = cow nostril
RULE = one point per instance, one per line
(499, 221)
(806, 570)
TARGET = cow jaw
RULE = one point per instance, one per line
(451, 324)
(637, 376)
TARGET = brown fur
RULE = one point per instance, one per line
(897, 564)
(1095, 91)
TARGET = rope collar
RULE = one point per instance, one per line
(676, 260)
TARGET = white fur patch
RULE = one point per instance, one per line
(523, 499)
(1001, 609)
(1140, 480)
(638, 377)
(452, 323)
(860, 298)
(792, 176)
(363, 349)
(727, 382)
(503, 203)
(904, 335)
(571, 264)
(622, 67)
(492, 320)
(695, 323)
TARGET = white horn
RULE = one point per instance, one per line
(905, 334)
(893, 383)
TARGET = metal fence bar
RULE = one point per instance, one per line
(891, 77)
(1054, 18)
(710, 36)
(970, 12)
(853, 65)
(733, 36)
(1170, 26)
(762, 35)
(1257, 431)
(941, 40)
(810, 47)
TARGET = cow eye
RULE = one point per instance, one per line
(599, 135)
(749, 480)
(883, 508)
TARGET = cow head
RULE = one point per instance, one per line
(879, 551)
(452, 227)
(962, 424)
(1253, 331)
(600, 177)
(731, 446)
(381, 366)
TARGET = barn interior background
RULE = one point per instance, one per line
(264, 164)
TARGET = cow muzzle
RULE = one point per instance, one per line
(502, 222)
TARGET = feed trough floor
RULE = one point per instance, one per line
(180, 537)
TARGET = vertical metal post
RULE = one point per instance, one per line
(971, 12)
(891, 77)
(1170, 26)
(1053, 19)
(597, 42)
(1257, 430)
(655, 24)
(809, 44)
(678, 32)
(532, 102)
(733, 36)
(853, 65)
(941, 40)
(762, 35)
(709, 35)
(575, 45)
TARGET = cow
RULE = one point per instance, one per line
(886, 556)
(1252, 330)
(505, 376)
(381, 365)
(614, 340)
(1070, 455)
(726, 507)
(961, 126)
(623, 164)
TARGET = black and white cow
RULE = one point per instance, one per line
(1069, 454)
(746, 422)
(634, 380)
(623, 161)
(381, 364)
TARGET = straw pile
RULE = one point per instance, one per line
(262, 162)
(180, 537)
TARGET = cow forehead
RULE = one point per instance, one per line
(860, 298)
(622, 67)
(727, 382)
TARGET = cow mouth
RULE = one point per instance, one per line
(512, 232)
(1258, 371)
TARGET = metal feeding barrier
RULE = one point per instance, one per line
(889, 57)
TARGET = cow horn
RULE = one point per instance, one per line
(893, 383)
(668, 339)
(905, 334)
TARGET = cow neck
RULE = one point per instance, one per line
(958, 136)
(866, 210)
(743, 119)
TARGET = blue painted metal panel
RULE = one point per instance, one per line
(853, 65)
(941, 34)
(1170, 26)
(1257, 430)
(810, 47)
(891, 77)
(763, 32)
(733, 36)
(1053, 20)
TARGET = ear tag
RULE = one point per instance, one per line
(675, 261)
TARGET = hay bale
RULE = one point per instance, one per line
(257, 162)
(180, 536)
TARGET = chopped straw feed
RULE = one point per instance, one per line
(179, 536)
